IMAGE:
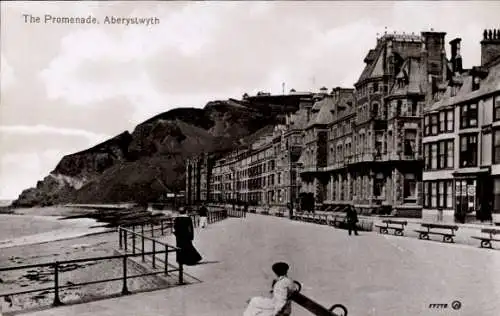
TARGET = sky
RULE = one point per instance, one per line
(67, 87)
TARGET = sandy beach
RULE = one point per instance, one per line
(40, 235)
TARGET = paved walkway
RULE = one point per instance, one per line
(371, 274)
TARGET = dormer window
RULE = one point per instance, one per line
(475, 83)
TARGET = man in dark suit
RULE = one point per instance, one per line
(352, 219)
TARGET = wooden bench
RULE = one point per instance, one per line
(298, 216)
(280, 213)
(447, 237)
(337, 220)
(313, 307)
(321, 219)
(486, 240)
(398, 230)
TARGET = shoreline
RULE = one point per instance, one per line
(93, 242)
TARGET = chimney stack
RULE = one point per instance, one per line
(456, 57)
(490, 46)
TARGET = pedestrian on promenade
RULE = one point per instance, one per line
(203, 212)
(279, 304)
(245, 209)
(184, 235)
(352, 219)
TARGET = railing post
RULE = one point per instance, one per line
(166, 260)
(154, 254)
(142, 242)
(125, 290)
(133, 242)
(181, 274)
(152, 229)
(120, 237)
(161, 225)
(125, 239)
(57, 299)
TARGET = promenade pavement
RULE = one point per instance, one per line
(371, 274)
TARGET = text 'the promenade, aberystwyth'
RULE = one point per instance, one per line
(126, 21)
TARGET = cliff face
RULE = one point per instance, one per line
(142, 165)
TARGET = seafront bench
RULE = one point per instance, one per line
(280, 213)
(314, 307)
(486, 240)
(321, 219)
(398, 230)
(337, 220)
(447, 236)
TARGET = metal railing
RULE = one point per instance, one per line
(127, 235)
(57, 265)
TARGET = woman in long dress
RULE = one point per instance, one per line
(279, 304)
(184, 235)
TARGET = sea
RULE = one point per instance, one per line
(18, 230)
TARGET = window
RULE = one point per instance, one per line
(449, 194)
(375, 87)
(427, 157)
(374, 109)
(442, 122)
(426, 194)
(449, 121)
(496, 147)
(496, 195)
(433, 194)
(414, 108)
(450, 155)
(438, 194)
(496, 109)
(468, 150)
(427, 125)
(434, 124)
(468, 115)
(389, 141)
(410, 142)
(465, 197)
(409, 186)
(378, 184)
(442, 155)
(398, 107)
(434, 149)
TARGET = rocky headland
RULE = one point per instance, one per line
(143, 165)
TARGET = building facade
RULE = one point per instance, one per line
(363, 147)
(461, 136)
(263, 174)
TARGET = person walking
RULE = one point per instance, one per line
(352, 219)
(184, 235)
(203, 212)
(279, 304)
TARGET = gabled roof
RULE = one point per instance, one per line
(324, 116)
(489, 85)
(413, 73)
(374, 55)
(299, 119)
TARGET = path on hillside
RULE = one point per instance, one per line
(371, 274)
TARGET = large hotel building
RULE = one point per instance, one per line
(416, 137)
